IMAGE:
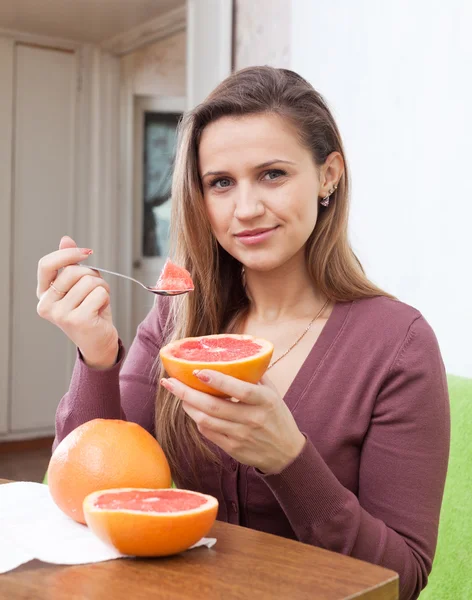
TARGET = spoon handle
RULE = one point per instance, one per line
(118, 275)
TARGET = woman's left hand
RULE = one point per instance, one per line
(253, 425)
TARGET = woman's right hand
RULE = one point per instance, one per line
(78, 303)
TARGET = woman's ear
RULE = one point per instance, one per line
(330, 173)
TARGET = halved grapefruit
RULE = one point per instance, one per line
(174, 278)
(145, 522)
(241, 356)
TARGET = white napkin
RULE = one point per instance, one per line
(32, 526)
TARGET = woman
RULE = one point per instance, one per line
(344, 443)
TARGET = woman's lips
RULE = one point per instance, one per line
(255, 236)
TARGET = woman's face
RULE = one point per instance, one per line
(261, 189)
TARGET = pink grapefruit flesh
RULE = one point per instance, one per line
(174, 278)
(158, 501)
(241, 356)
(216, 349)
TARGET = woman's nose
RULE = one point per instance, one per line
(249, 203)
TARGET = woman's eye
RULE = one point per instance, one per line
(221, 183)
(274, 174)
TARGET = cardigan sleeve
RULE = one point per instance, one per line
(393, 521)
(125, 391)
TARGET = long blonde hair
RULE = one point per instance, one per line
(220, 295)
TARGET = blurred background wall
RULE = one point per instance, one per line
(397, 78)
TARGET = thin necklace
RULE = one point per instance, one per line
(301, 337)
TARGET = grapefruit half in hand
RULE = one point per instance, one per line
(241, 356)
(140, 522)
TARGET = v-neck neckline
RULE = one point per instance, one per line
(312, 363)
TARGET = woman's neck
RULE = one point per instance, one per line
(283, 294)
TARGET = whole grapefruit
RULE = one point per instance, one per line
(103, 454)
(241, 356)
(141, 522)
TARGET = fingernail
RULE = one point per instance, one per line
(86, 251)
(167, 384)
(201, 376)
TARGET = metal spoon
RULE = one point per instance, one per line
(151, 289)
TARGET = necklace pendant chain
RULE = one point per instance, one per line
(307, 329)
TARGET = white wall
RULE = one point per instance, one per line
(398, 78)
(209, 46)
(158, 69)
(262, 33)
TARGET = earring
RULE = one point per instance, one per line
(325, 201)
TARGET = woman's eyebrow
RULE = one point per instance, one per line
(273, 161)
(261, 166)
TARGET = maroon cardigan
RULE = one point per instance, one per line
(372, 401)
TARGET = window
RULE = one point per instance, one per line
(159, 150)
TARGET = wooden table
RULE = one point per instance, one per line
(244, 564)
